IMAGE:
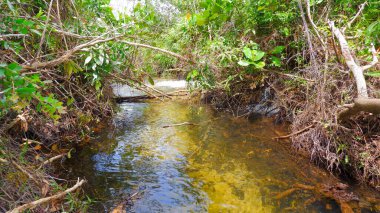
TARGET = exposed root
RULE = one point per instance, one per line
(337, 192)
(359, 105)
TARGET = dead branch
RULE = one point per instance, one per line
(160, 50)
(36, 203)
(68, 54)
(52, 159)
(143, 97)
(357, 70)
(180, 124)
(73, 35)
(361, 7)
(44, 31)
(295, 133)
(308, 14)
(374, 61)
(13, 35)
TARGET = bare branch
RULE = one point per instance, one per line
(361, 7)
(52, 159)
(313, 25)
(13, 35)
(36, 203)
(158, 49)
(74, 35)
(68, 54)
(354, 67)
(374, 58)
(44, 31)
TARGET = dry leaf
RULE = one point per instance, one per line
(38, 147)
(45, 190)
(54, 147)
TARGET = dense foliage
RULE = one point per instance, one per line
(58, 60)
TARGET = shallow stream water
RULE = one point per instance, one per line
(219, 164)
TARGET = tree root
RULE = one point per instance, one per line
(295, 133)
(337, 192)
(371, 105)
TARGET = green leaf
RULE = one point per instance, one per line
(88, 59)
(244, 63)
(247, 52)
(259, 55)
(278, 50)
(151, 81)
(2, 72)
(276, 61)
(26, 91)
(372, 74)
(15, 67)
(259, 65)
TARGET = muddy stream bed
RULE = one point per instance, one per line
(220, 164)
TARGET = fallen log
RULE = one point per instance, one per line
(145, 97)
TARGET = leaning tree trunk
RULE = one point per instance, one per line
(362, 102)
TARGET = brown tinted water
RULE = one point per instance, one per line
(221, 164)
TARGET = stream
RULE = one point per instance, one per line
(219, 164)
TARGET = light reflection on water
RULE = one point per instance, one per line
(221, 164)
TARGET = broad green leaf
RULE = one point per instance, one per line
(259, 55)
(244, 63)
(247, 52)
(88, 59)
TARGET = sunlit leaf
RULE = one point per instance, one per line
(88, 59)
(244, 63)
(247, 52)
(259, 55)
(259, 65)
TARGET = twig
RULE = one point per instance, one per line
(295, 133)
(374, 58)
(308, 14)
(159, 49)
(44, 31)
(361, 7)
(13, 35)
(52, 159)
(36, 203)
(68, 54)
(180, 124)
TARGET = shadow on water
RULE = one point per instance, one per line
(221, 164)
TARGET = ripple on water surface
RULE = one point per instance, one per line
(221, 164)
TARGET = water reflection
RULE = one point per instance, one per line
(221, 164)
